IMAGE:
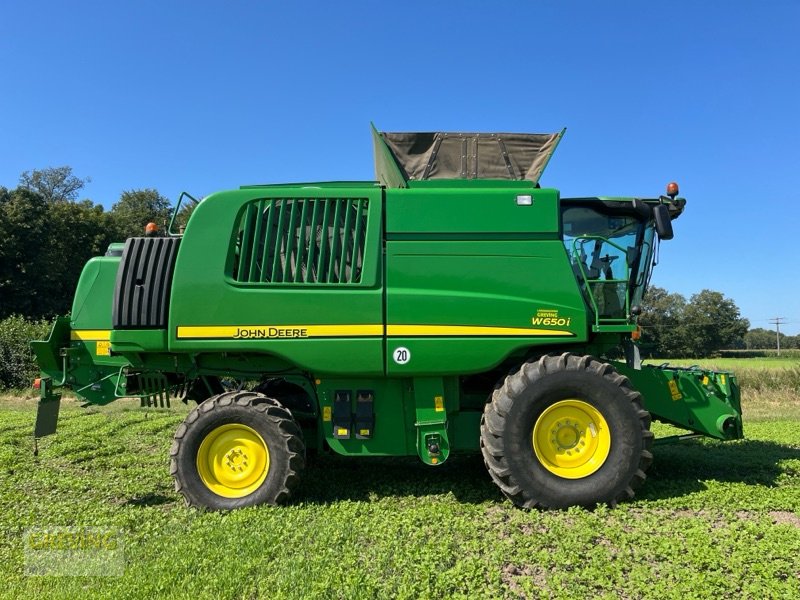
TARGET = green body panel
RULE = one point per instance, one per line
(127, 341)
(83, 361)
(48, 352)
(489, 212)
(393, 408)
(204, 295)
(479, 300)
(91, 308)
(410, 413)
(464, 277)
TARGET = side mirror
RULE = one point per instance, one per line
(663, 222)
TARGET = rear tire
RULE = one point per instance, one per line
(237, 449)
(566, 430)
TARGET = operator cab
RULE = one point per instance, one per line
(610, 243)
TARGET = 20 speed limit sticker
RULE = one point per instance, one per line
(401, 355)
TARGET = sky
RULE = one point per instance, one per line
(203, 96)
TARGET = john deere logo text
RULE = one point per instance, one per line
(549, 317)
(269, 333)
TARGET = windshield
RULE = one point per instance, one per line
(609, 252)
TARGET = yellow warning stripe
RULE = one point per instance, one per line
(468, 330)
(325, 331)
(85, 335)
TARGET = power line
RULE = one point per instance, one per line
(778, 321)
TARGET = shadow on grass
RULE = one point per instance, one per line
(330, 479)
(677, 470)
(684, 468)
(150, 500)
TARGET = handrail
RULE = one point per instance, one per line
(175, 212)
(576, 255)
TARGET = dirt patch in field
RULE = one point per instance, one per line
(511, 574)
(784, 517)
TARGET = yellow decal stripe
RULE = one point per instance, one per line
(322, 331)
(278, 331)
(84, 335)
(467, 330)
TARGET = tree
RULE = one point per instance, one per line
(136, 208)
(23, 218)
(675, 328)
(760, 339)
(713, 322)
(53, 184)
(664, 333)
(43, 248)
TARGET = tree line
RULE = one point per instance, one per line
(47, 235)
(674, 327)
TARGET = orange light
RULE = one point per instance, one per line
(672, 189)
(636, 334)
(151, 228)
(37, 383)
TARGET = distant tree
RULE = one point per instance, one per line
(713, 322)
(136, 208)
(760, 339)
(662, 321)
(53, 184)
(675, 328)
(43, 248)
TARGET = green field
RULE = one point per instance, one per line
(714, 519)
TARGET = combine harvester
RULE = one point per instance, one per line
(452, 306)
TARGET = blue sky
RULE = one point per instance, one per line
(202, 96)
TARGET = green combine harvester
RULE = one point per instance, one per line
(453, 306)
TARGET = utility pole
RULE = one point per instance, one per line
(778, 321)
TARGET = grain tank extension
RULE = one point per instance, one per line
(451, 306)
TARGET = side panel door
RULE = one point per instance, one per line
(294, 272)
(474, 277)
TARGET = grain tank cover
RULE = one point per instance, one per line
(419, 156)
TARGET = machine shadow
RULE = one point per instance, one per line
(678, 470)
(151, 500)
(683, 468)
(330, 479)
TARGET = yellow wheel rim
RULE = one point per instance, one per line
(233, 460)
(571, 439)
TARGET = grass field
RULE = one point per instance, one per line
(714, 519)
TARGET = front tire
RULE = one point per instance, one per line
(237, 449)
(566, 430)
